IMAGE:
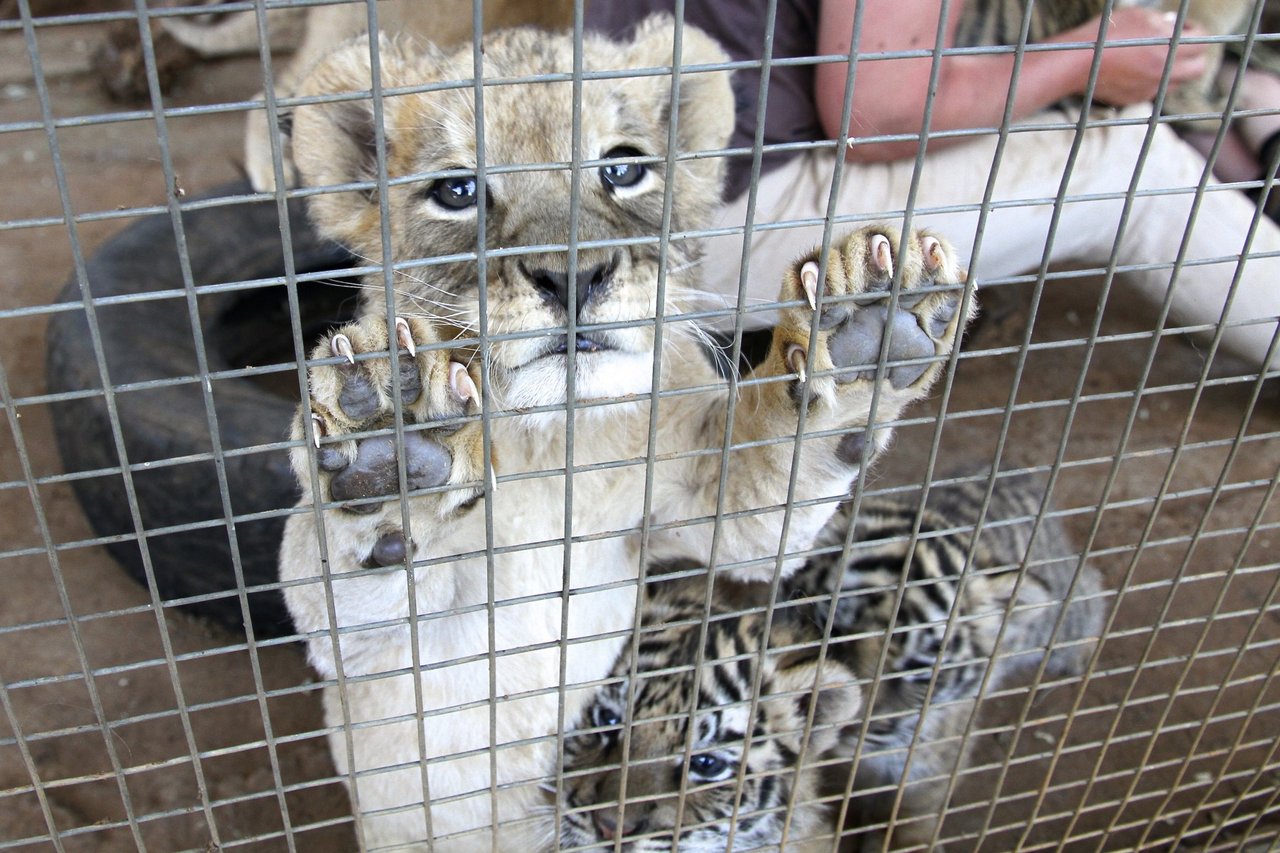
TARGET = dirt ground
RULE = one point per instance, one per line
(1170, 745)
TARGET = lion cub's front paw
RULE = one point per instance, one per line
(354, 396)
(857, 312)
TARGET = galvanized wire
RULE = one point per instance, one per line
(1246, 812)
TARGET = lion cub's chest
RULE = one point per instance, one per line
(530, 533)
(518, 542)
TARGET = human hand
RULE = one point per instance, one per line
(1130, 74)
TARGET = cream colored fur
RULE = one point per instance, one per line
(496, 702)
(444, 23)
(311, 33)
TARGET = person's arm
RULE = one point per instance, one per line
(889, 94)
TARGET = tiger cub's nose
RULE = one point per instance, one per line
(607, 824)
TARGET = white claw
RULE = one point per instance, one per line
(797, 361)
(493, 480)
(932, 250)
(405, 336)
(809, 278)
(317, 429)
(340, 344)
(882, 253)
(461, 383)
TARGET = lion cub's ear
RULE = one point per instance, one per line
(335, 141)
(706, 115)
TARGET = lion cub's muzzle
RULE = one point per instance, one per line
(550, 277)
(582, 342)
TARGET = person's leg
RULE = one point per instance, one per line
(1260, 97)
(1218, 250)
(1015, 232)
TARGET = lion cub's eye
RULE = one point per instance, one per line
(453, 193)
(623, 174)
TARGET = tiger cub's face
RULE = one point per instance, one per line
(680, 750)
(586, 165)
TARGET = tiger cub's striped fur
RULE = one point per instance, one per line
(999, 22)
(865, 590)
(694, 777)
(943, 632)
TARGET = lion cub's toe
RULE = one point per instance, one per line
(353, 413)
(857, 308)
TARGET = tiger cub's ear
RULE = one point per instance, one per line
(797, 681)
(335, 139)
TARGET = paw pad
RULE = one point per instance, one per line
(375, 471)
(357, 395)
(391, 549)
(857, 342)
(864, 265)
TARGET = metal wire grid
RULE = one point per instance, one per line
(1246, 812)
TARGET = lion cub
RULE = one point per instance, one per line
(463, 583)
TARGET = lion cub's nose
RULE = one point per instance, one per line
(587, 282)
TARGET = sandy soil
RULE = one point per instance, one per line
(1181, 697)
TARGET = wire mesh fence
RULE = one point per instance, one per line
(158, 340)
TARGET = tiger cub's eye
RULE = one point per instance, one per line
(707, 766)
(604, 717)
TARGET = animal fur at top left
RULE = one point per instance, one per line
(465, 642)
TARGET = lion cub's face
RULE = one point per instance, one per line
(523, 214)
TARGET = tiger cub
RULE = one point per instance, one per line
(923, 649)
(999, 22)
(731, 782)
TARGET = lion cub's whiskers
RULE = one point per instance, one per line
(445, 310)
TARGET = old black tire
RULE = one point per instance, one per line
(151, 341)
